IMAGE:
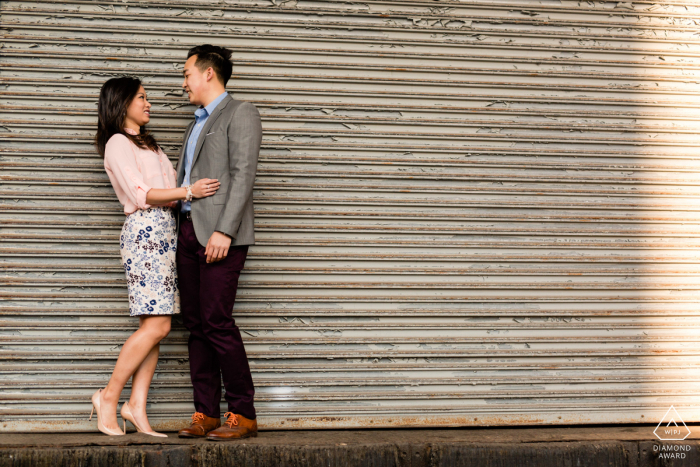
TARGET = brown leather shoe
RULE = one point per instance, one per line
(201, 425)
(235, 427)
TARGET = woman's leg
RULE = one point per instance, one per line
(137, 348)
(140, 384)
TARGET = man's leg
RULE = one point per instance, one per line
(204, 360)
(218, 286)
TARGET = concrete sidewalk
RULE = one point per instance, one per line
(594, 446)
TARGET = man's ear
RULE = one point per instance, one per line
(210, 74)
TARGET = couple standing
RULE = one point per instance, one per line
(184, 243)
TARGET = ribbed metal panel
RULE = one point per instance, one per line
(468, 213)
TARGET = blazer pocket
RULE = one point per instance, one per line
(219, 198)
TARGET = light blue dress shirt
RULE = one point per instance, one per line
(200, 118)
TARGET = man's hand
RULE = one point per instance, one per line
(217, 247)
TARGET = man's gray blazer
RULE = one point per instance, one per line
(227, 150)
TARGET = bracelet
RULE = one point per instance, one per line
(188, 197)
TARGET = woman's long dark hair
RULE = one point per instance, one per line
(115, 97)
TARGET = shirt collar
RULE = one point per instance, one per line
(130, 131)
(206, 111)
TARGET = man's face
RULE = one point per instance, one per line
(196, 83)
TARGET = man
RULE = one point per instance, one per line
(214, 233)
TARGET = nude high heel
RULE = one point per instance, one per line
(96, 404)
(127, 415)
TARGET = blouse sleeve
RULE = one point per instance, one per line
(172, 174)
(122, 162)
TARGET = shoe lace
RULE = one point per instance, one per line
(198, 417)
(232, 419)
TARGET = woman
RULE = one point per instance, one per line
(144, 181)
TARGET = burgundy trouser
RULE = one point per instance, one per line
(207, 294)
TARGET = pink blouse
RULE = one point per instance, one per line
(133, 171)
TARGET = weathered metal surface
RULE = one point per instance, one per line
(468, 212)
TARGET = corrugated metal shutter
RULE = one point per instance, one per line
(467, 212)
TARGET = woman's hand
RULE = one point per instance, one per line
(205, 187)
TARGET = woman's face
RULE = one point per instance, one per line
(139, 111)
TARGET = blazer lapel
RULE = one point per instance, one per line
(181, 160)
(210, 121)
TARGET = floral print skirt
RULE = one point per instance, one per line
(148, 244)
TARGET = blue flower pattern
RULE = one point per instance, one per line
(148, 244)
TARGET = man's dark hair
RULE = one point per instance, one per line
(219, 58)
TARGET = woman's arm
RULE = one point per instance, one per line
(165, 195)
(121, 161)
(201, 189)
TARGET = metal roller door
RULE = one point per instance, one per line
(468, 212)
